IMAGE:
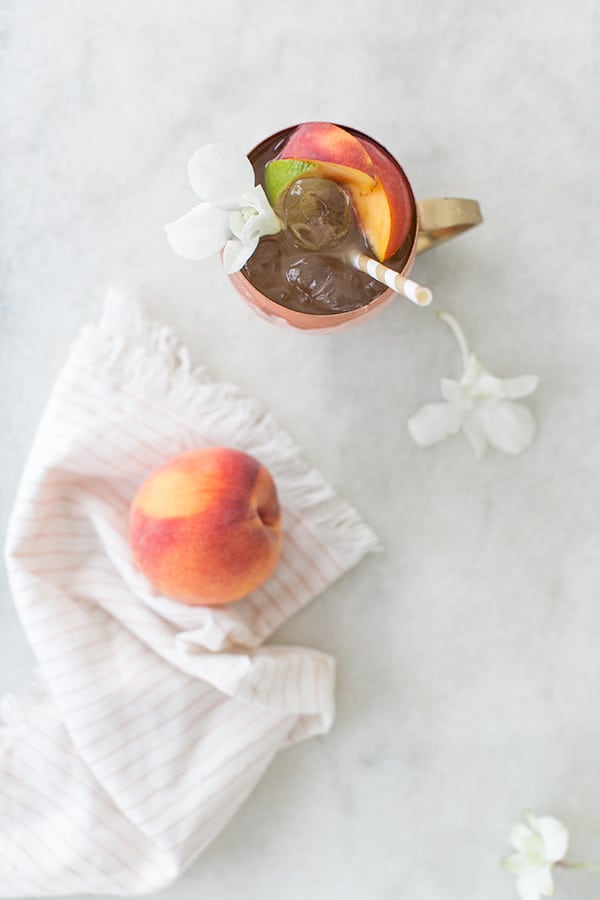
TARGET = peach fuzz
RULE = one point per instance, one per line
(205, 526)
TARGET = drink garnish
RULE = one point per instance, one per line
(233, 215)
(280, 173)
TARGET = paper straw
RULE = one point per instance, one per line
(418, 294)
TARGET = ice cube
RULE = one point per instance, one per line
(317, 213)
(265, 268)
(328, 284)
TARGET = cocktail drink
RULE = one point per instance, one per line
(318, 226)
(350, 221)
(328, 185)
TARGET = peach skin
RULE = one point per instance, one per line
(334, 153)
(385, 214)
(205, 526)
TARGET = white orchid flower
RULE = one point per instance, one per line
(539, 843)
(480, 405)
(233, 214)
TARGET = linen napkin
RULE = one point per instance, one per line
(148, 722)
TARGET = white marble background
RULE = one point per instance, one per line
(468, 651)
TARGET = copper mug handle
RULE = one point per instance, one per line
(442, 218)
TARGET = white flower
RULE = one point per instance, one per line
(539, 844)
(233, 215)
(480, 405)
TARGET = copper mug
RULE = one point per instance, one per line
(435, 221)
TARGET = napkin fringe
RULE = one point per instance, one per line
(149, 354)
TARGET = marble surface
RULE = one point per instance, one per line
(468, 650)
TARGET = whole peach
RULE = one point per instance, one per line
(205, 526)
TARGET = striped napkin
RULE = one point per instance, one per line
(147, 723)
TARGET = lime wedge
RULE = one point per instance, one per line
(280, 173)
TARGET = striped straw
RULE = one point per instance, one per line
(418, 294)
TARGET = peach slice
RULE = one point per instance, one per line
(335, 153)
(385, 213)
(380, 193)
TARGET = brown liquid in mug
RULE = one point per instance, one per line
(317, 282)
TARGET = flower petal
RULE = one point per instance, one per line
(256, 198)
(521, 386)
(509, 426)
(488, 387)
(200, 233)
(519, 836)
(251, 230)
(473, 430)
(555, 837)
(546, 882)
(434, 422)
(518, 864)
(236, 253)
(528, 886)
(236, 223)
(220, 173)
